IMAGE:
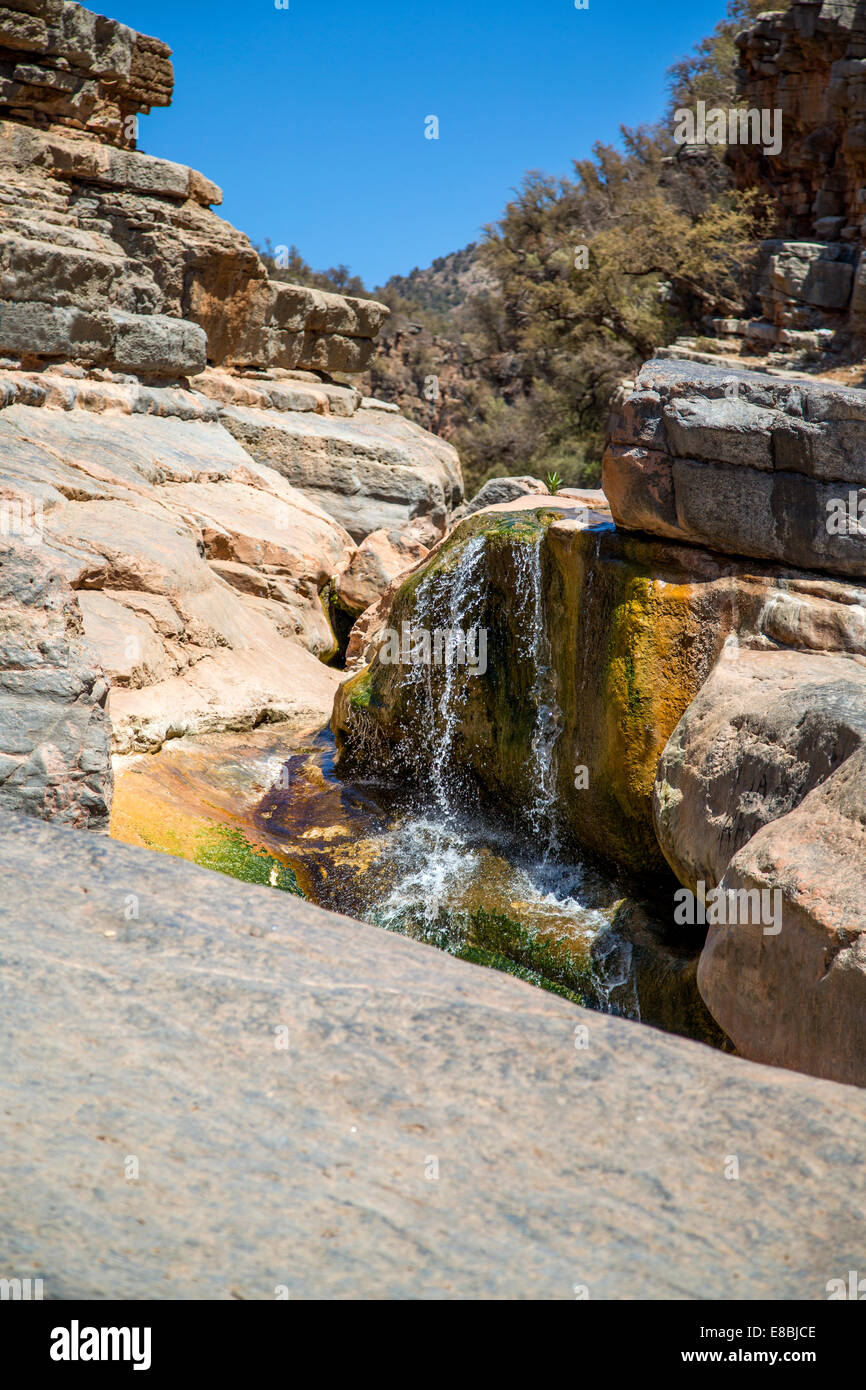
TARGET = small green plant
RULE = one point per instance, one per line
(554, 483)
(228, 851)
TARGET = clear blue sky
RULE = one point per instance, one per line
(312, 119)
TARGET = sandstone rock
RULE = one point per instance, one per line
(742, 462)
(199, 571)
(370, 473)
(498, 490)
(634, 627)
(799, 997)
(125, 242)
(54, 759)
(761, 787)
(381, 558)
(765, 730)
(157, 345)
(247, 1152)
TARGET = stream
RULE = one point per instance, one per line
(418, 854)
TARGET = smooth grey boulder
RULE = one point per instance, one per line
(430, 1129)
(761, 789)
(765, 730)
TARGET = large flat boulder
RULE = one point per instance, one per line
(430, 1129)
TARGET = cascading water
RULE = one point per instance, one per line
(443, 853)
(536, 650)
(461, 594)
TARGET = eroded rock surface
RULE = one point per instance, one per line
(113, 258)
(743, 463)
(431, 1130)
(54, 735)
(763, 786)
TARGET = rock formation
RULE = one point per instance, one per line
(173, 447)
(809, 62)
(744, 463)
(310, 1168)
(607, 644)
(113, 258)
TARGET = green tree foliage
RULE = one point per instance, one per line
(580, 280)
(287, 263)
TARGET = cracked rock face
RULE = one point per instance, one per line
(743, 463)
(54, 734)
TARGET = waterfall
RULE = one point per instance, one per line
(460, 594)
(534, 647)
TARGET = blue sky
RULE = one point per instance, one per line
(311, 119)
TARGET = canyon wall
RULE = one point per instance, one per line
(677, 685)
(809, 62)
(176, 458)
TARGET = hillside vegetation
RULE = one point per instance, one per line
(512, 347)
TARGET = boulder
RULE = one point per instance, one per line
(380, 558)
(763, 787)
(497, 490)
(449, 1138)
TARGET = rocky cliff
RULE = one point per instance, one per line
(809, 63)
(175, 455)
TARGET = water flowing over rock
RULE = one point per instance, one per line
(610, 649)
(160, 397)
(598, 643)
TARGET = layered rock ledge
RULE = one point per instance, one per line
(113, 258)
(742, 463)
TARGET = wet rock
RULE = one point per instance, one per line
(598, 641)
